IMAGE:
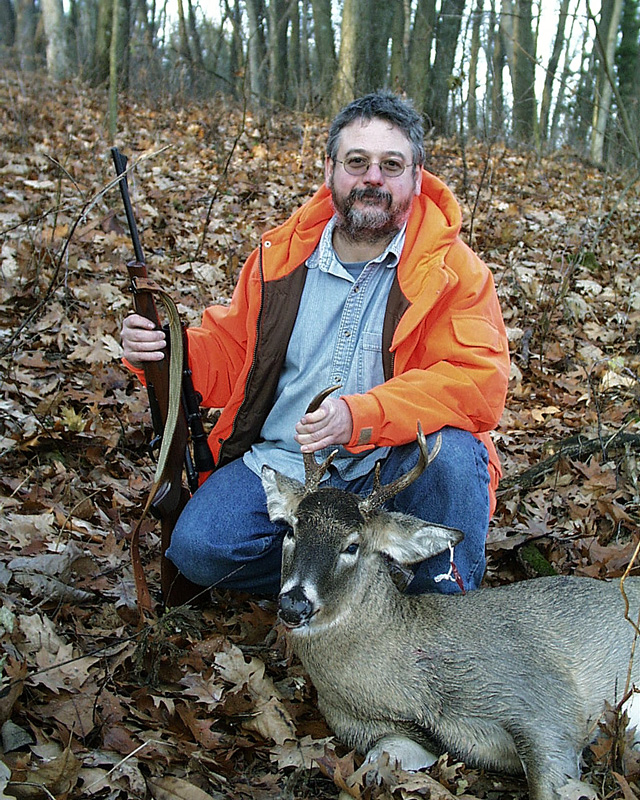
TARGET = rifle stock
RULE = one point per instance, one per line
(171, 494)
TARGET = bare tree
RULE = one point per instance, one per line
(606, 34)
(525, 123)
(558, 43)
(441, 82)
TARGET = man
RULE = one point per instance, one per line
(367, 285)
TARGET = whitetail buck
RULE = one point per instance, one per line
(510, 679)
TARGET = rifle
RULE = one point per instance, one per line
(188, 450)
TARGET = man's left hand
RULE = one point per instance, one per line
(330, 424)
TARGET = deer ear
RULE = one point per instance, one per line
(283, 495)
(407, 539)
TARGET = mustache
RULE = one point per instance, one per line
(369, 193)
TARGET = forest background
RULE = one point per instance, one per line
(532, 118)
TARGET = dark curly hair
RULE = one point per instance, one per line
(381, 105)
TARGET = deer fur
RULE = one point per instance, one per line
(511, 679)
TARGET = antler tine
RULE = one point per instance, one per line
(381, 493)
(313, 471)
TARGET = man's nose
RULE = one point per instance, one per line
(373, 174)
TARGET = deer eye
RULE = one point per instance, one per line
(351, 549)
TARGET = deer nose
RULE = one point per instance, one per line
(295, 607)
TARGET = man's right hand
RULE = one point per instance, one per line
(141, 341)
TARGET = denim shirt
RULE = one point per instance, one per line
(337, 338)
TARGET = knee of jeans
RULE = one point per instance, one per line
(460, 456)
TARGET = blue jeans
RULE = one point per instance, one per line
(224, 536)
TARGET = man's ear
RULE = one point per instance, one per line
(328, 172)
(418, 187)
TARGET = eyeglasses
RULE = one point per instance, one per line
(359, 165)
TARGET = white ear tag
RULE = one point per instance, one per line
(452, 575)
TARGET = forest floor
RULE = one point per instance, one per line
(206, 702)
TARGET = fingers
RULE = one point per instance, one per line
(328, 425)
(141, 340)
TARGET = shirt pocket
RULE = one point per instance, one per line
(370, 371)
(476, 331)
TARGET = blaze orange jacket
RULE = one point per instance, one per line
(445, 349)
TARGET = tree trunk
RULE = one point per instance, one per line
(99, 70)
(235, 51)
(53, 18)
(442, 79)
(294, 55)
(547, 92)
(375, 30)
(184, 53)
(497, 58)
(257, 50)
(278, 50)
(472, 105)
(524, 62)
(559, 107)
(326, 61)
(113, 71)
(420, 43)
(197, 58)
(607, 31)
(628, 60)
(26, 33)
(7, 24)
(346, 82)
(399, 25)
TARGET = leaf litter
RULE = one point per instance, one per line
(206, 702)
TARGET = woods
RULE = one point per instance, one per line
(222, 109)
(206, 702)
(545, 74)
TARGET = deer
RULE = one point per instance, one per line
(511, 678)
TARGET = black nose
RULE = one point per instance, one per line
(295, 607)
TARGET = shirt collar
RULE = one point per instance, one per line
(324, 256)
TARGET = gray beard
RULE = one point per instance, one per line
(369, 225)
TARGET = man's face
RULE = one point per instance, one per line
(372, 206)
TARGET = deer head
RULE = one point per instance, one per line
(338, 541)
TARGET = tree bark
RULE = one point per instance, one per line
(99, 70)
(345, 86)
(257, 50)
(472, 105)
(420, 43)
(7, 24)
(547, 92)
(606, 35)
(326, 62)
(441, 82)
(278, 65)
(26, 33)
(113, 71)
(524, 60)
(628, 60)
(496, 57)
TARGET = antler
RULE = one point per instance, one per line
(380, 494)
(313, 471)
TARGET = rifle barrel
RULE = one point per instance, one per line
(120, 163)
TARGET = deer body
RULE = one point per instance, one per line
(512, 678)
(508, 679)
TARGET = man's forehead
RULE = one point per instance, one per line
(375, 133)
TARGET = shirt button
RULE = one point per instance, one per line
(347, 334)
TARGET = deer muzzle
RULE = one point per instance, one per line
(295, 608)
